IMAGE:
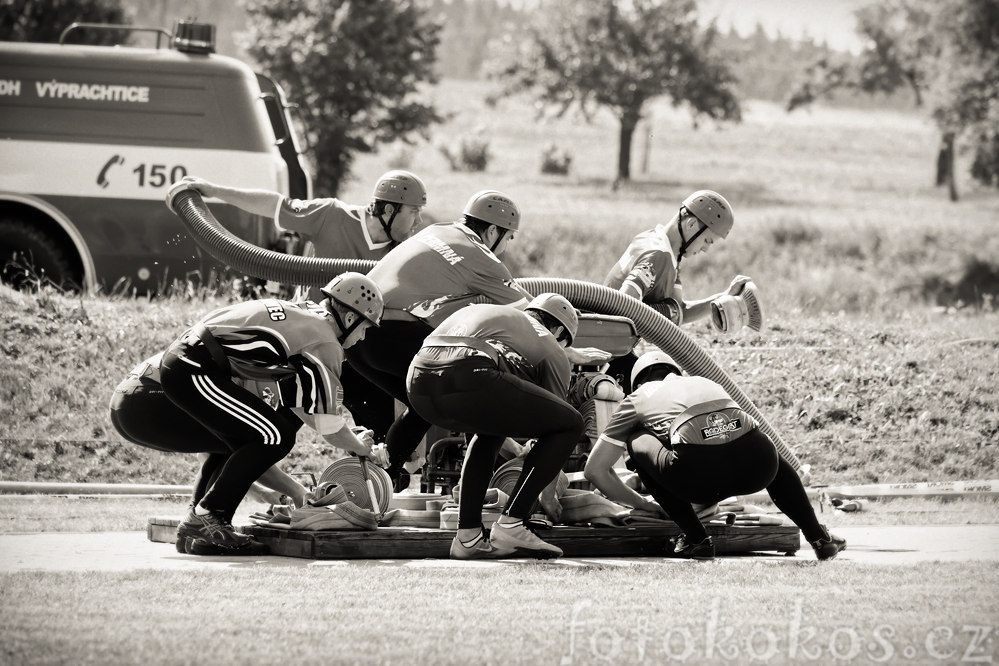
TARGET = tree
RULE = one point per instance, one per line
(354, 69)
(619, 54)
(44, 20)
(947, 53)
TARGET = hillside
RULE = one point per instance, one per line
(912, 399)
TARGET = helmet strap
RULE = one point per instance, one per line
(684, 243)
(499, 238)
(345, 330)
(387, 226)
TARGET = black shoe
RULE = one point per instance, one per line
(400, 482)
(828, 547)
(213, 528)
(704, 550)
(192, 546)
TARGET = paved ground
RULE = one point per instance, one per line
(124, 551)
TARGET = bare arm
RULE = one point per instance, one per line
(694, 310)
(258, 202)
(276, 479)
(600, 472)
(587, 355)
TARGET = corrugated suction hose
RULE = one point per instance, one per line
(251, 259)
(651, 324)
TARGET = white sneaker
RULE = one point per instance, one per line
(479, 549)
(522, 541)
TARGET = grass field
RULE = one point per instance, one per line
(357, 613)
(839, 225)
(734, 610)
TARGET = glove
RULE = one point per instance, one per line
(380, 456)
(199, 185)
(738, 282)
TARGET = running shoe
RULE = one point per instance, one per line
(480, 548)
(829, 546)
(521, 541)
(213, 528)
(703, 550)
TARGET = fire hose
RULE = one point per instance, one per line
(651, 324)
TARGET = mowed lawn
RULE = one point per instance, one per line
(735, 610)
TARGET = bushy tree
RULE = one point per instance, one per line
(947, 53)
(618, 54)
(44, 20)
(354, 69)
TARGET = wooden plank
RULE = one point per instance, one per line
(419, 542)
(162, 529)
(289, 543)
(415, 543)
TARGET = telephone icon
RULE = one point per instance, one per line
(102, 178)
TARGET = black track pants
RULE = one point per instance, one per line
(256, 435)
(383, 358)
(143, 415)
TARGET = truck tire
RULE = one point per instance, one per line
(30, 258)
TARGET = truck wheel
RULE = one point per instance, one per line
(29, 258)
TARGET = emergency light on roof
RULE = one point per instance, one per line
(191, 37)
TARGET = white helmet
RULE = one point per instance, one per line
(560, 308)
(495, 208)
(652, 359)
(712, 209)
(400, 187)
(357, 292)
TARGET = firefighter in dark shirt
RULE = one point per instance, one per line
(498, 371)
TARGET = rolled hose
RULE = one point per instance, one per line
(651, 324)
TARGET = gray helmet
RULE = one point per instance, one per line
(650, 360)
(495, 208)
(358, 293)
(712, 209)
(400, 187)
(560, 308)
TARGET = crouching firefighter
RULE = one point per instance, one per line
(691, 442)
(238, 385)
(498, 371)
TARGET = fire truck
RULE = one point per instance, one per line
(92, 137)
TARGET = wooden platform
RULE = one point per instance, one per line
(418, 542)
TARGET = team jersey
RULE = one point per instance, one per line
(650, 266)
(331, 228)
(522, 345)
(441, 269)
(713, 417)
(289, 348)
